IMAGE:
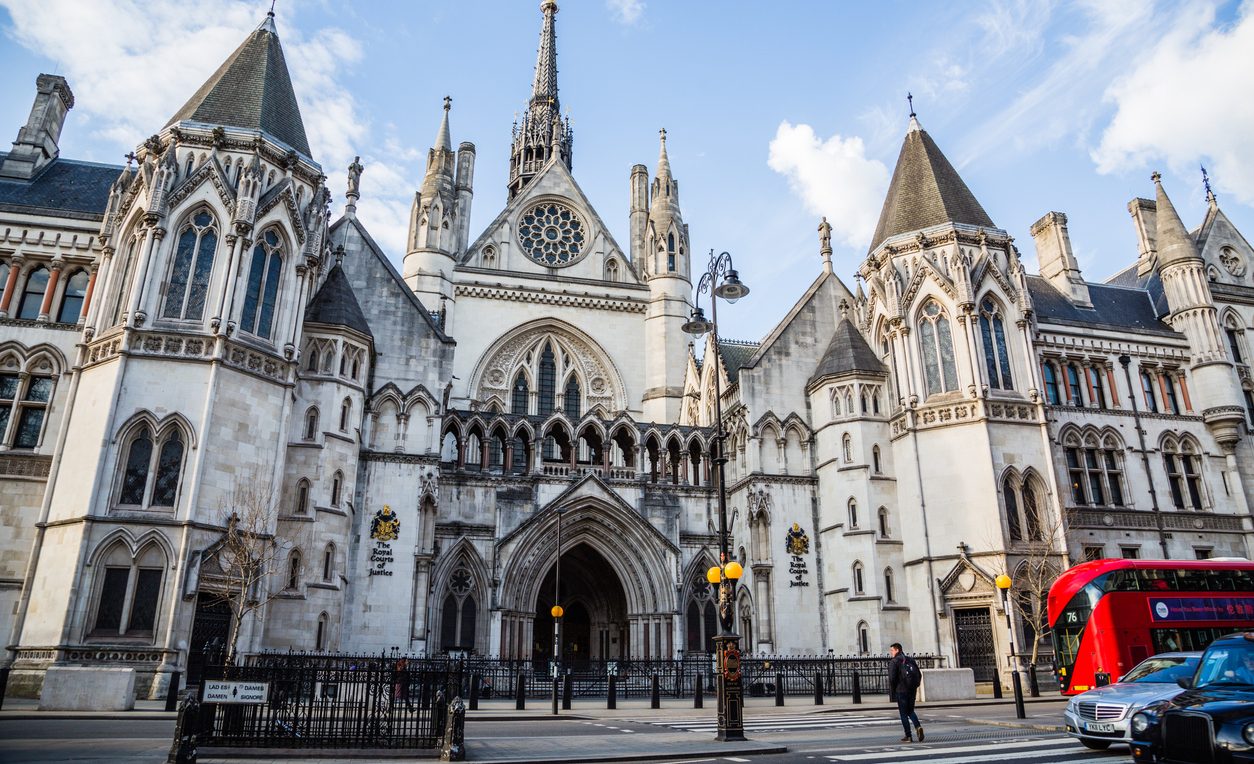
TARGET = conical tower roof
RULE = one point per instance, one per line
(925, 191)
(1174, 242)
(252, 90)
(336, 305)
(847, 353)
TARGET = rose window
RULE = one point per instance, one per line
(551, 234)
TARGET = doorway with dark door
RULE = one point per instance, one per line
(973, 634)
(210, 632)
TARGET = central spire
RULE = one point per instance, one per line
(542, 134)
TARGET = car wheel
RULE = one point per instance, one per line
(1096, 745)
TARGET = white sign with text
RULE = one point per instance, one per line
(235, 692)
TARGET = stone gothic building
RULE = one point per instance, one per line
(198, 325)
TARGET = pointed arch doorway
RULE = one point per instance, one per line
(595, 625)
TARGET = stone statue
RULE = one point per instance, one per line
(354, 177)
(825, 234)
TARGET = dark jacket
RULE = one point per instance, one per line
(897, 678)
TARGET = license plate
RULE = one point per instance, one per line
(1098, 727)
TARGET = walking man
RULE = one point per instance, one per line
(904, 679)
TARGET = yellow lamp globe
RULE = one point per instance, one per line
(733, 570)
(557, 611)
(713, 575)
(1003, 581)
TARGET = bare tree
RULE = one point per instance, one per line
(246, 554)
(1036, 562)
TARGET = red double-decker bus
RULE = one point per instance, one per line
(1109, 615)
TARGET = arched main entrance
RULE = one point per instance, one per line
(595, 626)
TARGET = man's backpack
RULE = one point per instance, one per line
(910, 675)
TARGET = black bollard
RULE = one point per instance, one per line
(698, 693)
(655, 701)
(1034, 685)
(453, 737)
(475, 679)
(186, 727)
(857, 689)
(520, 691)
(779, 689)
(997, 688)
(611, 699)
(556, 690)
(4, 683)
(172, 692)
(567, 691)
(818, 688)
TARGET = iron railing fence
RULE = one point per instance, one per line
(498, 677)
(333, 701)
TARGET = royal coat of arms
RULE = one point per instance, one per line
(385, 526)
(797, 542)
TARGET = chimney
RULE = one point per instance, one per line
(1058, 264)
(36, 143)
(1145, 219)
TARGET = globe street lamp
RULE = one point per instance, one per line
(1004, 583)
(726, 575)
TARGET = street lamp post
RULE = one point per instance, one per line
(557, 613)
(1003, 584)
(727, 643)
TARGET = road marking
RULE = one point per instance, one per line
(1051, 749)
(733, 758)
(900, 751)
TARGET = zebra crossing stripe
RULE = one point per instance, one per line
(1043, 748)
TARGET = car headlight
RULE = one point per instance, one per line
(1141, 722)
(1248, 733)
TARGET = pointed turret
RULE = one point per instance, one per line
(542, 134)
(925, 191)
(667, 234)
(251, 90)
(1173, 239)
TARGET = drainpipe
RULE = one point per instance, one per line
(1125, 361)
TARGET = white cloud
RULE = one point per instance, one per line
(833, 177)
(132, 64)
(1187, 101)
(626, 11)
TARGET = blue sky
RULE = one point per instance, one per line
(776, 113)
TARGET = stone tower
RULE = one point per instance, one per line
(543, 134)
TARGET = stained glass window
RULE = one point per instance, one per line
(551, 234)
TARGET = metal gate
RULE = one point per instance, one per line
(973, 632)
(209, 633)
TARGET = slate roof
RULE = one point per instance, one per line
(253, 90)
(64, 188)
(1114, 307)
(847, 352)
(736, 355)
(336, 305)
(925, 191)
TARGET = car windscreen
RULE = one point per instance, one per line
(1227, 664)
(1165, 670)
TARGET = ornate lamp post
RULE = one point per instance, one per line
(727, 644)
(1004, 583)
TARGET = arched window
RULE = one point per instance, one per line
(701, 619)
(328, 563)
(570, 399)
(1147, 387)
(4, 278)
(27, 406)
(346, 411)
(33, 293)
(320, 635)
(520, 396)
(1052, 393)
(293, 570)
(853, 513)
(1074, 389)
(937, 346)
(875, 459)
(1010, 492)
(1031, 511)
(122, 266)
(1169, 392)
(1183, 474)
(888, 586)
(150, 474)
(858, 584)
(337, 486)
(263, 286)
(1097, 388)
(847, 447)
(302, 497)
(312, 365)
(72, 299)
(548, 381)
(883, 517)
(1233, 330)
(1094, 471)
(611, 270)
(460, 612)
(996, 355)
(311, 423)
(193, 264)
(128, 592)
(864, 638)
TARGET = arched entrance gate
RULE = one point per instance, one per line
(618, 581)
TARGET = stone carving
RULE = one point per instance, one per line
(797, 542)
(502, 366)
(1232, 261)
(385, 526)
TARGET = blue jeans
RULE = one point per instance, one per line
(905, 709)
